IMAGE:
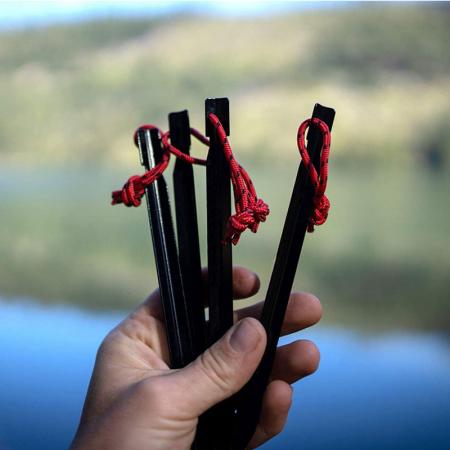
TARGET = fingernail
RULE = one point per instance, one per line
(245, 336)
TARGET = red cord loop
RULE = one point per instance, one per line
(250, 211)
(319, 181)
(134, 189)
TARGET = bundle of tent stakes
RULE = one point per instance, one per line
(231, 424)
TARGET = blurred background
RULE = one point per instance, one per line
(76, 78)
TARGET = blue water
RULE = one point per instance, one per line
(385, 391)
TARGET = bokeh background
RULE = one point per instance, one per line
(76, 80)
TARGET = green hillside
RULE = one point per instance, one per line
(79, 90)
(72, 95)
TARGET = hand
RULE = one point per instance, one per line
(135, 402)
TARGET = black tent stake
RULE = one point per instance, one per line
(178, 331)
(187, 230)
(220, 301)
(188, 242)
(218, 212)
(249, 399)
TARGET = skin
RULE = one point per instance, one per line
(135, 402)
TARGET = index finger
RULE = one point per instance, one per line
(245, 284)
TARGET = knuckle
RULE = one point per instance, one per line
(216, 369)
(108, 343)
(131, 325)
(137, 326)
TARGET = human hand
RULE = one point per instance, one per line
(135, 402)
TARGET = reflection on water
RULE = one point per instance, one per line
(371, 392)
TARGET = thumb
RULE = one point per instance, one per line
(222, 369)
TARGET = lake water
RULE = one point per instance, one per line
(384, 391)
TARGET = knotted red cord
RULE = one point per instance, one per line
(319, 181)
(250, 210)
(134, 189)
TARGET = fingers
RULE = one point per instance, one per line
(146, 323)
(303, 310)
(292, 362)
(276, 403)
(220, 371)
(245, 282)
(295, 361)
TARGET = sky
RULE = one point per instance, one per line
(19, 13)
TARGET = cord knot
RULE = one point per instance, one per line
(131, 193)
(250, 211)
(248, 219)
(320, 213)
(260, 211)
(321, 204)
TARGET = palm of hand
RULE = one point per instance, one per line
(136, 402)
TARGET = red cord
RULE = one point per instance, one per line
(250, 210)
(319, 181)
(134, 189)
